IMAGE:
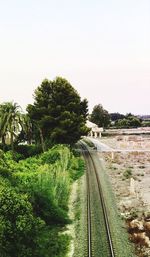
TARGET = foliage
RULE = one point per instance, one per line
(80, 220)
(130, 121)
(146, 123)
(19, 227)
(127, 173)
(28, 150)
(22, 151)
(88, 142)
(34, 202)
(51, 157)
(100, 116)
(58, 112)
(76, 168)
(26, 134)
(116, 116)
(10, 121)
(52, 243)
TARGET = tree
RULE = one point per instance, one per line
(134, 121)
(58, 112)
(122, 123)
(116, 116)
(130, 121)
(10, 120)
(26, 133)
(100, 116)
(18, 225)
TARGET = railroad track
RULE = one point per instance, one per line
(97, 217)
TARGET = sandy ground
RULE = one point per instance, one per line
(129, 173)
(131, 142)
(137, 162)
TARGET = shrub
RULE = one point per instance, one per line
(34, 199)
(53, 243)
(128, 173)
(28, 150)
(50, 156)
(19, 227)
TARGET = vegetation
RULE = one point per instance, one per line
(10, 122)
(116, 116)
(19, 226)
(88, 142)
(100, 116)
(57, 116)
(35, 187)
(130, 121)
(127, 173)
(103, 119)
(58, 113)
(146, 123)
(34, 202)
(80, 222)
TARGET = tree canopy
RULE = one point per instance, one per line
(100, 116)
(58, 112)
(10, 121)
(130, 121)
(116, 116)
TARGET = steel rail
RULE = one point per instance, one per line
(85, 150)
(89, 234)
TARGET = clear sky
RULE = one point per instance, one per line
(101, 46)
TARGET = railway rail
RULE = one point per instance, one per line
(99, 241)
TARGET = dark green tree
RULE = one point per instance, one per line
(58, 112)
(100, 116)
(116, 116)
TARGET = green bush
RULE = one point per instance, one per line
(36, 193)
(22, 151)
(28, 150)
(52, 243)
(4, 167)
(18, 227)
(45, 208)
(5, 148)
(50, 156)
(128, 173)
(77, 168)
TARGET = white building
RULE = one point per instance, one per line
(95, 130)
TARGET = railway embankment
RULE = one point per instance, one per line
(107, 227)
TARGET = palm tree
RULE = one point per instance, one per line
(10, 121)
(27, 128)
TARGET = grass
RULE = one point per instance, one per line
(80, 242)
(88, 142)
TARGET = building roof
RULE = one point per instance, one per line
(90, 124)
(93, 126)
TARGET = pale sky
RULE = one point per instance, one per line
(102, 47)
